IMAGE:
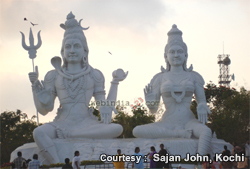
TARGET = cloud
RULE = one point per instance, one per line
(120, 13)
(16, 93)
(109, 13)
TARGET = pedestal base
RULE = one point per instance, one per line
(90, 149)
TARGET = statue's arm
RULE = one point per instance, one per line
(99, 92)
(99, 95)
(152, 93)
(202, 108)
(44, 92)
(199, 88)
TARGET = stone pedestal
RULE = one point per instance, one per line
(90, 149)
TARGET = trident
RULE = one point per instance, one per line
(32, 51)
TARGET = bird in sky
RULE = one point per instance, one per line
(110, 53)
(25, 19)
(33, 24)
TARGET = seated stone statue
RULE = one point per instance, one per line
(177, 84)
(74, 83)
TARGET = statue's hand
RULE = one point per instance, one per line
(106, 113)
(202, 111)
(150, 97)
(43, 95)
(33, 76)
(119, 75)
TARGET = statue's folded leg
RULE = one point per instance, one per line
(43, 136)
(204, 134)
(98, 131)
(153, 130)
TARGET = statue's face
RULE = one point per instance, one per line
(176, 55)
(74, 51)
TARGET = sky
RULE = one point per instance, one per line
(134, 31)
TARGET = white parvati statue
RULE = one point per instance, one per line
(177, 84)
(74, 83)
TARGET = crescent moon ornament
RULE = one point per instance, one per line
(81, 26)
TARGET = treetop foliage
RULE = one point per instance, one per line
(140, 116)
(16, 130)
(229, 112)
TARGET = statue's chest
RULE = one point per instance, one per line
(73, 87)
(176, 79)
(177, 87)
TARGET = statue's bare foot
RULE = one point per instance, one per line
(184, 133)
(61, 133)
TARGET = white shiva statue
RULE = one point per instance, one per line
(74, 83)
(177, 84)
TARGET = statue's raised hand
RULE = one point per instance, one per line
(43, 94)
(149, 95)
(119, 75)
(202, 111)
(33, 76)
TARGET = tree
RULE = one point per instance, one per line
(96, 112)
(229, 112)
(16, 130)
(140, 117)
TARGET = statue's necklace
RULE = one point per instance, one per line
(74, 86)
(74, 82)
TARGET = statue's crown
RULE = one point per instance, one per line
(174, 34)
(71, 25)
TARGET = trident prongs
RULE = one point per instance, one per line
(32, 49)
